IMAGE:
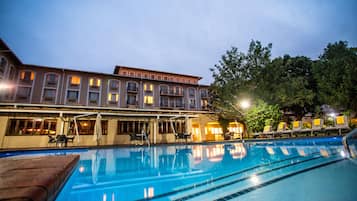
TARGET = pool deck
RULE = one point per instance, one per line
(34, 178)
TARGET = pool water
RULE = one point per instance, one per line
(301, 169)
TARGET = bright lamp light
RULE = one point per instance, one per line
(245, 104)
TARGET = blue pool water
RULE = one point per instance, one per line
(310, 169)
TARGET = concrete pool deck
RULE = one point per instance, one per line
(34, 178)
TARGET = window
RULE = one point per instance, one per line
(204, 93)
(23, 92)
(191, 92)
(179, 102)
(148, 87)
(31, 127)
(131, 99)
(75, 80)
(3, 64)
(72, 96)
(153, 77)
(27, 76)
(86, 127)
(204, 104)
(165, 126)
(148, 100)
(113, 84)
(113, 97)
(94, 82)
(192, 102)
(49, 94)
(128, 127)
(93, 97)
(178, 91)
(164, 101)
(132, 86)
(164, 89)
(51, 79)
(12, 74)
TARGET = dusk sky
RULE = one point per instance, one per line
(181, 36)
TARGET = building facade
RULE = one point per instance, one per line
(39, 101)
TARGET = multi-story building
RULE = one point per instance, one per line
(37, 101)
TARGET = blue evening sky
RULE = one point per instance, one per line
(181, 36)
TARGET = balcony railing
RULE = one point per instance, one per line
(132, 89)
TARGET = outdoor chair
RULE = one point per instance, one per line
(317, 126)
(140, 137)
(297, 128)
(341, 124)
(61, 140)
(283, 129)
(182, 136)
(51, 139)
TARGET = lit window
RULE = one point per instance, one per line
(148, 87)
(27, 75)
(148, 99)
(94, 82)
(112, 97)
(75, 80)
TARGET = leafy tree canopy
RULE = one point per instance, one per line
(335, 73)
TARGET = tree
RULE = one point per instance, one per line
(235, 78)
(288, 82)
(335, 73)
(261, 114)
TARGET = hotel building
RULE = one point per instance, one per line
(40, 101)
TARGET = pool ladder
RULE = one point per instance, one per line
(351, 153)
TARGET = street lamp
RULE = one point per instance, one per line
(244, 104)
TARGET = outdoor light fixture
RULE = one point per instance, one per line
(5, 86)
(332, 114)
(245, 104)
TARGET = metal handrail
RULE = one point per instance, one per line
(352, 134)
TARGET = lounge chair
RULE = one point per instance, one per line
(268, 131)
(283, 129)
(341, 123)
(297, 128)
(317, 126)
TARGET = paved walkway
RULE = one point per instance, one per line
(34, 178)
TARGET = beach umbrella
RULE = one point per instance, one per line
(97, 135)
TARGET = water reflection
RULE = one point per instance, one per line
(215, 153)
(141, 172)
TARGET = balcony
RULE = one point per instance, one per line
(171, 93)
(132, 89)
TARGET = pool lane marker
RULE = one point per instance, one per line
(245, 178)
(272, 181)
(222, 177)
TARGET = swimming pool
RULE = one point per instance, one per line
(300, 169)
